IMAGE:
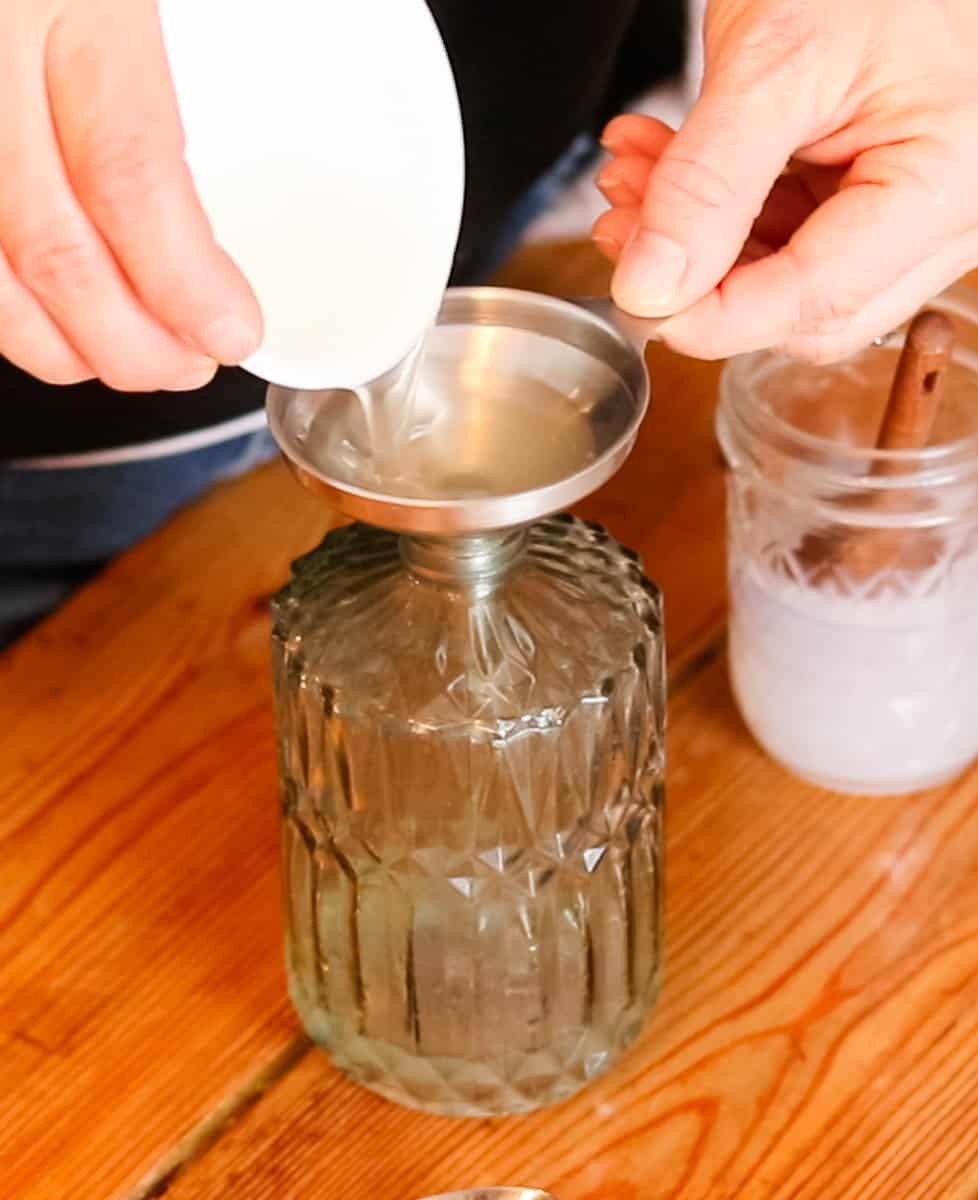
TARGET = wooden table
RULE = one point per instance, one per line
(817, 1036)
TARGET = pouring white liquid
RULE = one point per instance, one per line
(325, 142)
(454, 438)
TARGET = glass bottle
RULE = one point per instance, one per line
(471, 754)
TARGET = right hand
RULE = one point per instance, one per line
(108, 266)
(874, 104)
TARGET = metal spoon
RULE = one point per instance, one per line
(503, 1193)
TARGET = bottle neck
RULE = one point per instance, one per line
(476, 562)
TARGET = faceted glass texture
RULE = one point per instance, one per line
(879, 637)
(471, 755)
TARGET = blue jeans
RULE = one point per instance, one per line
(59, 527)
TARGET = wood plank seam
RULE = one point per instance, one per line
(220, 1121)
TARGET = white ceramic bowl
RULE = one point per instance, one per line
(325, 140)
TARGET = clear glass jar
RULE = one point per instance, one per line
(853, 572)
(471, 755)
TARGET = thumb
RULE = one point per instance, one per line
(705, 193)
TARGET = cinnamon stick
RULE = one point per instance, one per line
(918, 386)
(915, 397)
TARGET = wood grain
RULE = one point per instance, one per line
(137, 877)
(815, 1038)
(142, 1000)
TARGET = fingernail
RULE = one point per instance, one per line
(612, 141)
(194, 379)
(228, 339)
(611, 186)
(608, 246)
(649, 274)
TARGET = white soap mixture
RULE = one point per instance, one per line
(857, 693)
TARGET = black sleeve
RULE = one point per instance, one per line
(532, 74)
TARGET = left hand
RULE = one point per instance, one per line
(875, 107)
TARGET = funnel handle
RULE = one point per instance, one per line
(637, 330)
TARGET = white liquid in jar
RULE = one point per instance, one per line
(872, 694)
